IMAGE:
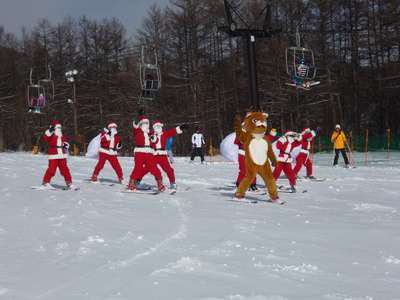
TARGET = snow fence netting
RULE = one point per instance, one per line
(93, 147)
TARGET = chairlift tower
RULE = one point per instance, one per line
(249, 34)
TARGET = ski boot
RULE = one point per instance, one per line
(292, 189)
(94, 178)
(276, 200)
(132, 185)
(121, 180)
(311, 177)
(47, 186)
(253, 188)
(71, 187)
(160, 186)
(173, 186)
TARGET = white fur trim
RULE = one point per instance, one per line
(160, 152)
(48, 133)
(178, 130)
(112, 125)
(285, 159)
(144, 150)
(136, 126)
(258, 151)
(108, 151)
(57, 156)
(304, 151)
(242, 152)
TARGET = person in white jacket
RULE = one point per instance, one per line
(197, 145)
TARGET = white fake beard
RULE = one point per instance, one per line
(145, 128)
(113, 130)
(290, 139)
(58, 132)
(158, 130)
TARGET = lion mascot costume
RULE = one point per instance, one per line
(258, 152)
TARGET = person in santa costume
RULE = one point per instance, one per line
(303, 158)
(57, 155)
(159, 140)
(144, 155)
(242, 167)
(285, 145)
(269, 137)
(109, 144)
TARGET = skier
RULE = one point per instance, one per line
(159, 141)
(144, 155)
(242, 167)
(57, 155)
(109, 144)
(284, 160)
(169, 149)
(271, 135)
(306, 139)
(300, 78)
(32, 104)
(197, 145)
(339, 141)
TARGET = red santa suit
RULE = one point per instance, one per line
(109, 144)
(307, 137)
(285, 146)
(57, 154)
(159, 142)
(144, 155)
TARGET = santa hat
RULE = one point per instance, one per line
(290, 133)
(112, 125)
(55, 123)
(305, 130)
(158, 123)
(143, 119)
(337, 126)
(273, 132)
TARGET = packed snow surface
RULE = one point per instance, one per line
(340, 240)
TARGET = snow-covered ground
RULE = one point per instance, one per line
(340, 240)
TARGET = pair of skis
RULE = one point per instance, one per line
(54, 188)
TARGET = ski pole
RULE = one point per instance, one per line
(388, 143)
(366, 146)
(352, 161)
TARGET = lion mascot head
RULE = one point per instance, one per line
(255, 123)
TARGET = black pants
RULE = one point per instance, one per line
(197, 152)
(344, 154)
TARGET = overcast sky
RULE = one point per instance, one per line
(17, 13)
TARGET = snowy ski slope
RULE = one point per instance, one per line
(340, 240)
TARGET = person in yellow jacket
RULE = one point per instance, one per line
(339, 141)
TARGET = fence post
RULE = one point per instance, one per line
(366, 146)
(388, 133)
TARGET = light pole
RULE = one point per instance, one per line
(70, 76)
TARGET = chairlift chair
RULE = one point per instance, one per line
(36, 98)
(150, 76)
(48, 84)
(300, 65)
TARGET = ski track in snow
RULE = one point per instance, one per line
(338, 241)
